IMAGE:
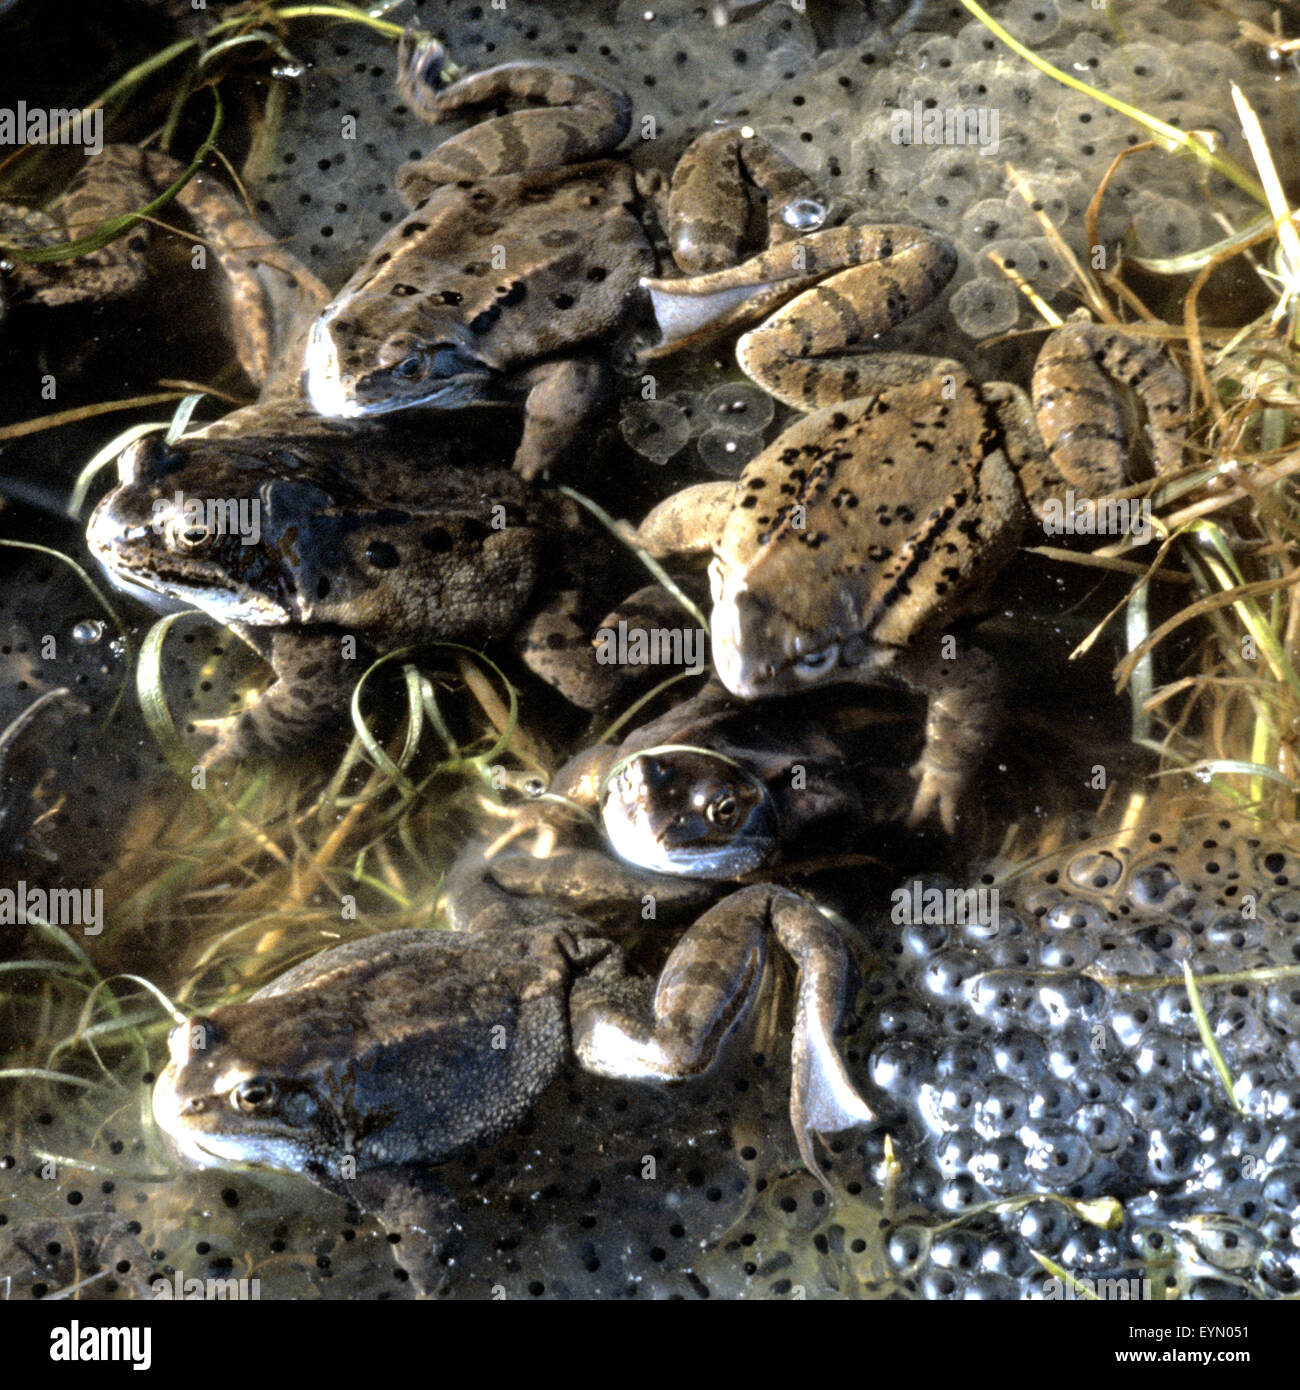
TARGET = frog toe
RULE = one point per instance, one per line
(940, 790)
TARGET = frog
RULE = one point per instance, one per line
(270, 524)
(410, 1047)
(720, 789)
(109, 184)
(263, 285)
(525, 250)
(849, 549)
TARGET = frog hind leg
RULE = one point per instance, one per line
(675, 1029)
(818, 301)
(308, 696)
(556, 646)
(272, 298)
(114, 183)
(1082, 417)
(560, 397)
(810, 352)
(569, 119)
(823, 1098)
(708, 201)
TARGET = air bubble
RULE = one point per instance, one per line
(89, 630)
(804, 214)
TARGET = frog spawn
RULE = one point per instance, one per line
(775, 1247)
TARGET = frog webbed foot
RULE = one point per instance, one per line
(308, 696)
(674, 1029)
(963, 715)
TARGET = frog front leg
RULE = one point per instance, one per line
(309, 696)
(964, 713)
(676, 1029)
(559, 398)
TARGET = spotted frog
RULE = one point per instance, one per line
(844, 550)
(265, 288)
(524, 248)
(272, 526)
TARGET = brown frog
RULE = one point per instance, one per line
(718, 788)
(844, 550)
(322, 543)
(264, 286)
(524, 249)
(115, 181)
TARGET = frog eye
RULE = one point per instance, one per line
(257, 1093)
(415, 367)
(817, 663)
(189, 535)
(722, 809)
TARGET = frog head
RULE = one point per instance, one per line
(351, 370)
(226, 1096)
(697, 814)
(173, 531)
